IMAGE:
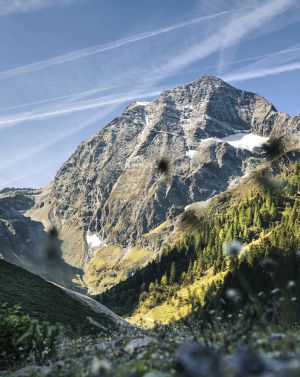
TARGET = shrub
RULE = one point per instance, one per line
(24, 338)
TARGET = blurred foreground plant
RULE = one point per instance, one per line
(23, 338)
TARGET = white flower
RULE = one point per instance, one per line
(233, 248)
(231, 293)
(274, 291)
(99, 366)
(278, 335)
(291, 284)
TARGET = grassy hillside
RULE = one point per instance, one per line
(111, 264)
(45, 301)
(262, 214)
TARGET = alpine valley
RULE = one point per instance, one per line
(139, 217)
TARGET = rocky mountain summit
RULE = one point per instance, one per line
(109, 192)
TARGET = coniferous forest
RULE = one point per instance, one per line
(266, 219)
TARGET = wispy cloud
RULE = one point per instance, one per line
(271, 55)
(97, 49)
(23, 6)
(261, 72)
(271, 64)
(72, 96)
(78, 106)
(240, 26)
(77, 126)
(21, 177)
(81, 94)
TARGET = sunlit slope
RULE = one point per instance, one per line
(263, 213)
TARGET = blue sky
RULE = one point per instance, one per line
(68, 67)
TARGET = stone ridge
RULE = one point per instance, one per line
(110, 185)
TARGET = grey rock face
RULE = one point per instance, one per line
(24, 241)
(110, 185)
(16, 230)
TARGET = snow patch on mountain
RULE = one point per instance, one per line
(93, 240)
(141, 103)
(190, 153)
(210, 139)
(245, 140)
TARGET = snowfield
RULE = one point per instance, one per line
(141, 103)
(239, 139)
(245, 140)
(93, 240)
(190, 153)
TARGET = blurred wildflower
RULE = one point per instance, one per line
(261, 342)
(273, 148)
(232, 249)
(189, 217)
(194, 359)
(275, 291)
(264, 179)
(232, 294)
(278, 335)
(268, 261)
(163, 165)
(291, 284)
(52, 246)
(100, 367)
(249, 363)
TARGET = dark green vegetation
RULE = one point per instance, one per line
(24, 338)
(45, 301)
(264, 215)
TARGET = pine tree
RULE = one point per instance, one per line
(256, 218)
(164, 280)
(172, 278)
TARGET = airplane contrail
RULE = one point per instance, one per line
(80, 94)
(261, 72)
(62, 134)
(243, 26)
(75, 107)
(26, 175)
(76, 95)
(79, 54)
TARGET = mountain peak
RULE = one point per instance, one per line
(110, 187)
(211, 79)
